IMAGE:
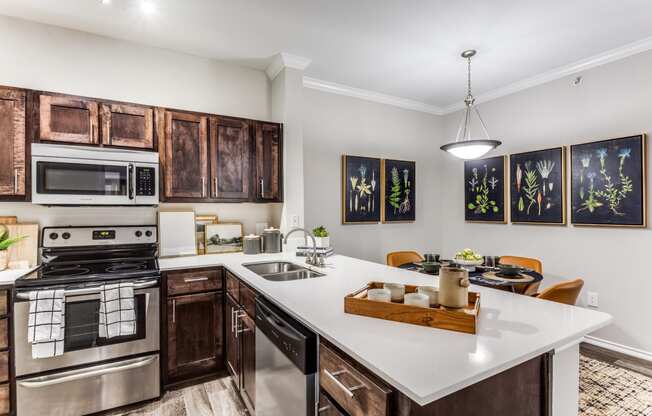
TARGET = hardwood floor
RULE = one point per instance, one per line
(213, 398)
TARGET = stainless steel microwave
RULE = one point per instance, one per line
(77, 175)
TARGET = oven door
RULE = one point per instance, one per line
(71, 181)
(82, 345)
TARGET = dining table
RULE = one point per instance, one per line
(478, 276)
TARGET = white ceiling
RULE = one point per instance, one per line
(406, 49)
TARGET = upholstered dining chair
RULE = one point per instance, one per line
(529, 263)
(564, 292)
(399, 258)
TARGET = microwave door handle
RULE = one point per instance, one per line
(131, 181)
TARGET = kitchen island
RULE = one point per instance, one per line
(425, 364)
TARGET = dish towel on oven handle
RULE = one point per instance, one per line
(117, 312)
(46, 322)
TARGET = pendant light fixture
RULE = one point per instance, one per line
(465, 145)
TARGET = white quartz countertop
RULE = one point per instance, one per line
(9, 276)
(424, 363)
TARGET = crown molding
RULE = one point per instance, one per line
(612, 55)
(335, 88)
(285, 60)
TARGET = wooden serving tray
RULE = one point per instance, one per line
(461, 320)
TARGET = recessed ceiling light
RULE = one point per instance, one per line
(147, 6)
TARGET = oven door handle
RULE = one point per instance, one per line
(91, 290)
(92, 372)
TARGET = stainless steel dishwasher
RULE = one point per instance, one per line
(286, 364)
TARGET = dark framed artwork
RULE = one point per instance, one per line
(361, 183)
(484, 190)
(608, 182)
(399, 190)
(537, 187)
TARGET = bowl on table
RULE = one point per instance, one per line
(431, 267)
(509, 269)
(463, 262)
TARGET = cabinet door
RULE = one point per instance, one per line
(68, 119)
(185, 161)
(195, 344)
(232, 345)
(12, 142)
(127, 126)
(230, 158)
(247, 338)
(269, 169)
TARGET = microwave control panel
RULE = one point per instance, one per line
(145, 181)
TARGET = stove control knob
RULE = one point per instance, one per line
(139, 233)
(54, 236)
(148, 233)
(65, 236)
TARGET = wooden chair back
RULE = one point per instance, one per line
(398, 258)
(564, 292)
(529, 263)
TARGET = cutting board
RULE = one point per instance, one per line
(26, 249)
(177, 233)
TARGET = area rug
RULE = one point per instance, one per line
(607, 390)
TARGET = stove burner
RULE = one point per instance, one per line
(65, 270)
(126, 267)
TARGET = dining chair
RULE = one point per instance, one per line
(564, 292)
(529, 263)
(399, 258)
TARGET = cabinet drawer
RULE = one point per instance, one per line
(326, 406)
(233, 286)
(354, 391)
(5, 401)
(3, 302)
(4, 333)
(248, 300)
(4, 366)
(194, 281)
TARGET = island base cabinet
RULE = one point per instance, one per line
(194, 344)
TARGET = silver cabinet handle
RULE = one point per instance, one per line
(215, 186)
(242, 313)
(323, 409)
(350, 391)
(262, 186)
(237, 322)
(232, 320)
(195, 279)
(174, 310)
(203, 187)
(15, 180)
(97, 371)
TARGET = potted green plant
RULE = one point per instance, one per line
(5, 243)
(321, 237)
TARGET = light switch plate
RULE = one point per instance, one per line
(294, 220)
(592, 299)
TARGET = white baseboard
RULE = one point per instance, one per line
(623, 349)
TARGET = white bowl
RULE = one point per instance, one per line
(432, 293)
(417, 299)
(379, 295)
(463, 262)
(397, 290)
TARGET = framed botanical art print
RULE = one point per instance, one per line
(608, 182)
(361, 201)
(537, 187)
(399, 190)
(484, 190)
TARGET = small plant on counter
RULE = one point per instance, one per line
(320, 231)
(5, 243)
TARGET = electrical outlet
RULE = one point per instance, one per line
(294, 220)
(592, 299)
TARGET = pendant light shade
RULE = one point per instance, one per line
(466, 146)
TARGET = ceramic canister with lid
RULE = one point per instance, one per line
(252, 244)
(454, 287)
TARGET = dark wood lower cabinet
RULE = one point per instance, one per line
(247, 337)
(194, 334)
(232, 350)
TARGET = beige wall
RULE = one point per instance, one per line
(613, 101)
(336, 125)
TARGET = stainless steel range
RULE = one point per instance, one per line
(94, 373)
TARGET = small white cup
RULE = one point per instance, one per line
(432, 293)
(397, 290)
(379, 295)
(417, 299)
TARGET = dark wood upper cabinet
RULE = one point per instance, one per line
(269, 167)
(127, 126)
(12, 142)
(194, 333)
(68, 119)
(184, 155)
(230, 158)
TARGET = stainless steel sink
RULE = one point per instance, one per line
(282, 271)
